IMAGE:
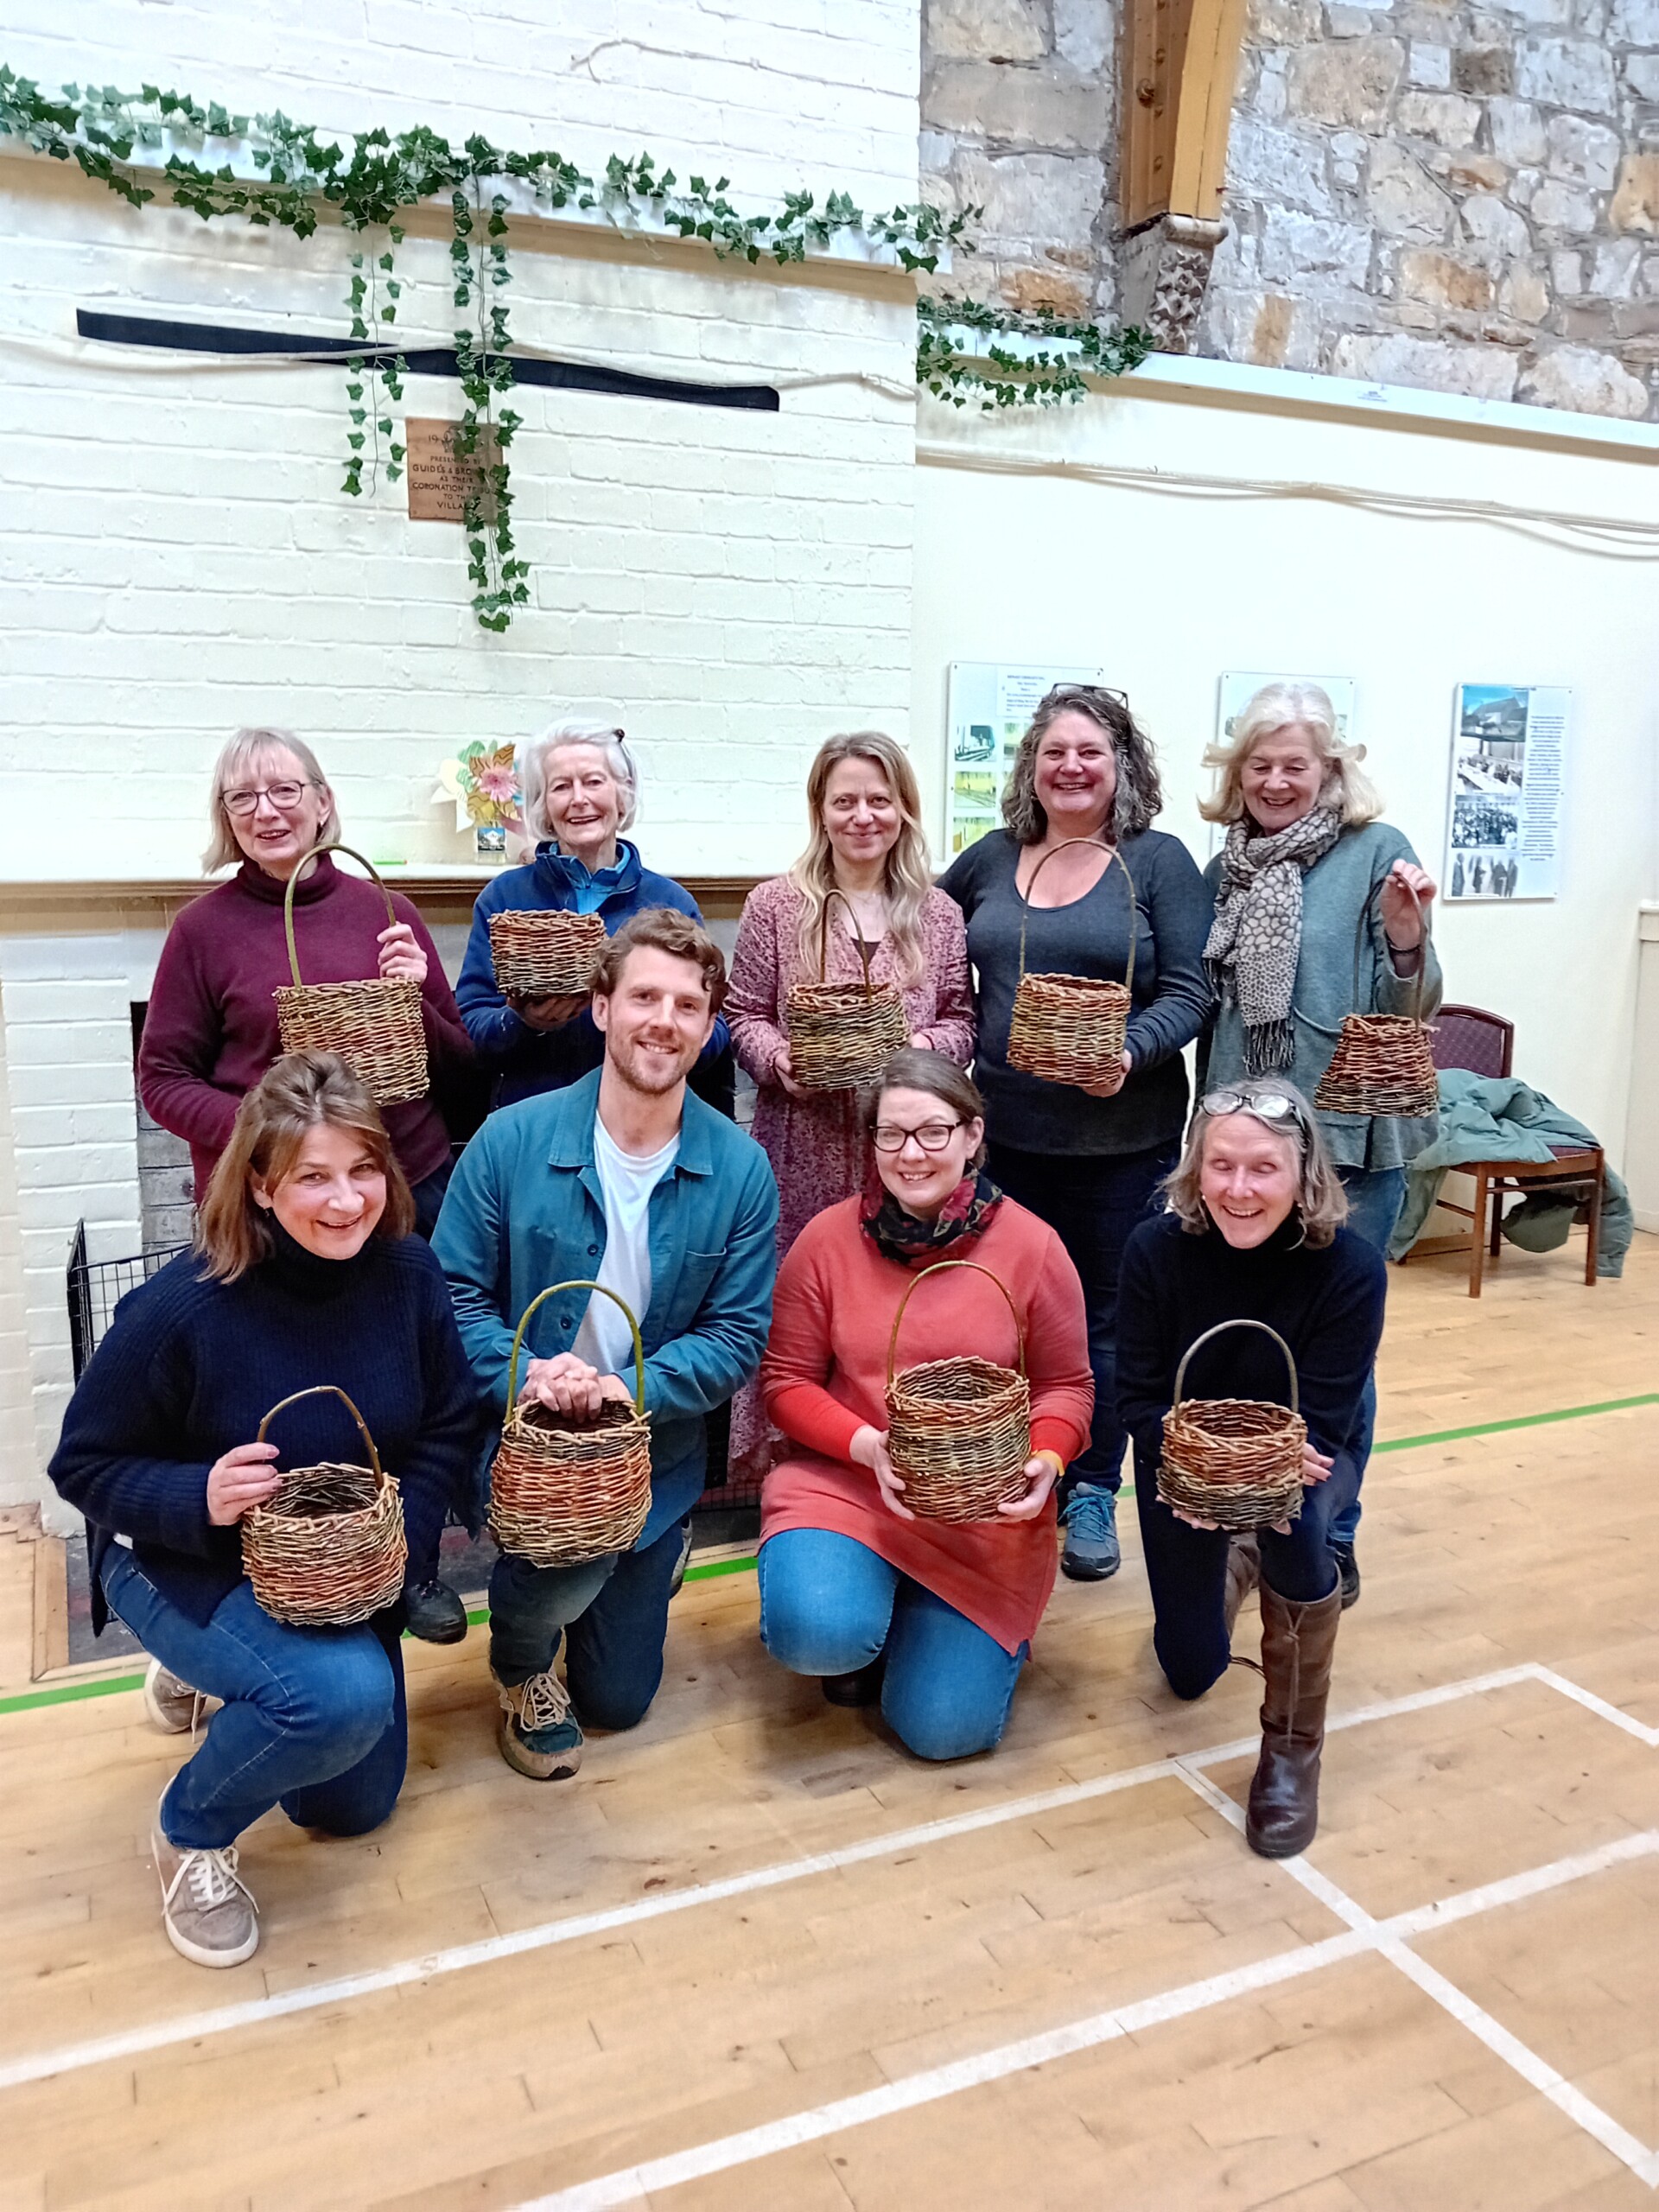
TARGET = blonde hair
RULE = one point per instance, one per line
(1282, 706)
(609, 740)
(909, 873)
(301, 1092)
(1320, 1200)
(239, 755)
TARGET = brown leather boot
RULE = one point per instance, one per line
(1297, 1643)
(1244, 1575)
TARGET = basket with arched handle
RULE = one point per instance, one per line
(327, 1548)
(841, 1035)
(1383, 1063)
(1235, 1461)
(563, 1490)
(374, 1026)
(959, 1429)
(546, 952)
(1070, 1028)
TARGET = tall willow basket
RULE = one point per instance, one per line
(562, 1490)
(1235, 1461)
(544, 953)
(841, 1035)
(1383, 1063)
(959, 1429)
(1070, 1028)
(327, 1549)
(374, 1026)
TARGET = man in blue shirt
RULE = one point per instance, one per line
(626, 1179)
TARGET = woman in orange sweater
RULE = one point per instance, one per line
(933, 1619)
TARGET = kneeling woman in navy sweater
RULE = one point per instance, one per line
(1254, 1233)
(305, 1272)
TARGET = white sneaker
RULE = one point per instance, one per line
(207, 1909)
(171, 1704)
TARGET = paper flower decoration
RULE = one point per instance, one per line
(483, 781)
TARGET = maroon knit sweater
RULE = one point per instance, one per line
(210, 1030)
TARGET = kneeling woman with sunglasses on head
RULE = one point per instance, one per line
(1254, 1233)
(933, 1619)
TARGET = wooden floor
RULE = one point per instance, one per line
(1053, 1978)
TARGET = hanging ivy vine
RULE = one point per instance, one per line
(143, 146)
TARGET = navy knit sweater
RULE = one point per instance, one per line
(189, 1366)
(1326, 1304)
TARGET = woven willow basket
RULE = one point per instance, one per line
(843, 1034)
(1383, 1063)
(327, 1548)
(959, 1430)
(544, 954)
(374, 1026)
(1235, 1461)
(561, 1491)
(1069, 1028)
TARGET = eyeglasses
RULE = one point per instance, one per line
(1086, 691)
(284, 797)
(932, 1136)
(1266, 1106)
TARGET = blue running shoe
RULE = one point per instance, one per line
(1091, 1550)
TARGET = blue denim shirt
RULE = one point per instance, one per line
(530, 1061)
(524, 1209)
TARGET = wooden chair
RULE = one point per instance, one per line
(1468, 1037)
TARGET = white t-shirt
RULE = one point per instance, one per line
(604, 1340)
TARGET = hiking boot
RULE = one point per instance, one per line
(1347, 1573)
(436, 1614)
(675, 1586)
(169, 1702)
(206, 1909)
(538, 1735)
(1091, 1552)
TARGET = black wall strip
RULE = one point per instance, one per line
(419, 360)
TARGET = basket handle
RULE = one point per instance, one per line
(318, 1390)
(288, 895)
(1240, 1323)
(940, 1268)
(858, 939)
(580, 1282)
(1427, 913)
(1024, 898)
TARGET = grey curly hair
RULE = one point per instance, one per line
(1140, 793)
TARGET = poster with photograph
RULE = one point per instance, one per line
(1238, 688)
(1508, 748)
(989, 706)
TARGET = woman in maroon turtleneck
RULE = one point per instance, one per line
(210, 1033)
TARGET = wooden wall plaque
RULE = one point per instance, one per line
(438, 480)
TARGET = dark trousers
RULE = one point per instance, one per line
(1091, 1203)
(613, 1613)
(1187, 1570)
(428, 1195)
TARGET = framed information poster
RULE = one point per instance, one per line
(989, 706)
(1503, 835)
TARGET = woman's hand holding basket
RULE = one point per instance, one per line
(1042, 1471)
(1316, 1468)
(401, 953)
(569, 1385)
(782, 1069)
(1108, 1086)
(869, 1449)
(238, 1480)
(1406, 891)
(547, 1011)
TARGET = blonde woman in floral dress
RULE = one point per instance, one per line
(867, 843)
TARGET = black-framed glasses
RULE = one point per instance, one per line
(1270, 1106)
(1086, 691)
(932, 1136)
(285, 797)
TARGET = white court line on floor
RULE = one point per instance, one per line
(192, 2027)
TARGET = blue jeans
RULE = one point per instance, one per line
(1375, 1198)
(1187, 1570)
(829, 1605)
(1091, 1204)
(313, 1719)
(614, 1611)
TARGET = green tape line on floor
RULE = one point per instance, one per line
(70, 1693)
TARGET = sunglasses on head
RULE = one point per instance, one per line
(1270, 1106)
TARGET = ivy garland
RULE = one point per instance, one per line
(298, 174)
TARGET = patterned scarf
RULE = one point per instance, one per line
(965, 1215)
(1256, 940)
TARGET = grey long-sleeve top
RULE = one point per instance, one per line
(1090, 937)
(1336, 891)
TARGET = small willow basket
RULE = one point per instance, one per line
(544, 954)
(1383, 1063)
(374, 1026)
(959, 1429)
(1235, 1461)
(1069, 1028)
(561, 1491)
(841, 1035)
(327, 1549)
